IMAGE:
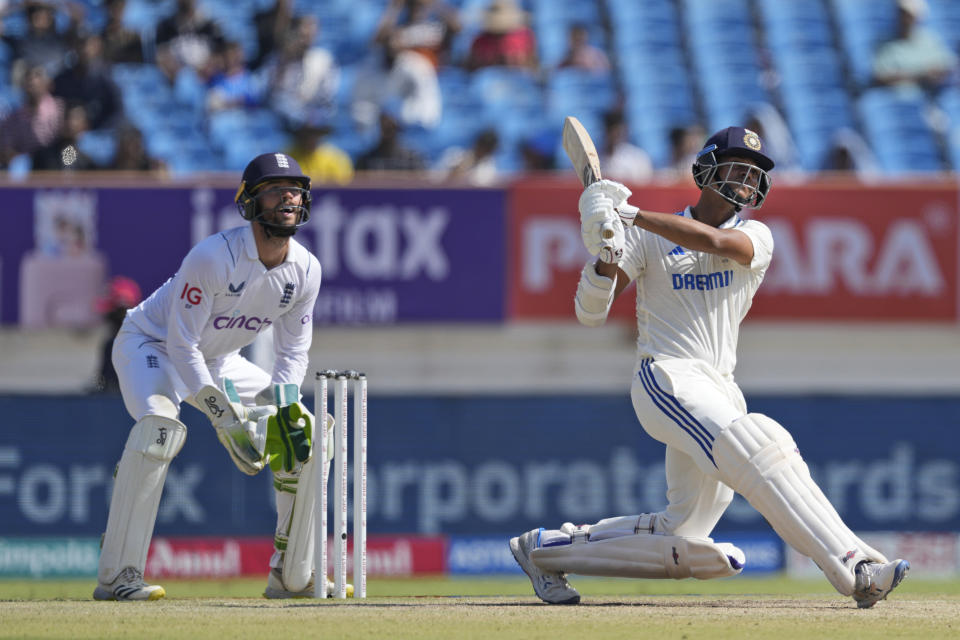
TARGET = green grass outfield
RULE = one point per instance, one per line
(504, 607)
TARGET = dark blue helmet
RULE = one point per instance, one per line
(709, 170)
(263, 168)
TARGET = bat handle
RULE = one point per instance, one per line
(607, 231)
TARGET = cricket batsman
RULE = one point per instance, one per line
(697, 271)
(183, 344)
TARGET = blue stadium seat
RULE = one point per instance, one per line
(100, 145)
(143, 15)
(953, 148)
(501, 89)
(576, 91)
(944, 19)
(896, 128)
(863, 26)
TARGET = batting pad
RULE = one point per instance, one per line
(295, 524)
(643, 555)
(138, 483)
(759, 459)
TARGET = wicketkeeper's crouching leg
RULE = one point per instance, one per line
(138, 483)
(289, 446)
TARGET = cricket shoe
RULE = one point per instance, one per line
(552, 588)
(128, 587)
(874, 581)
(276, 591)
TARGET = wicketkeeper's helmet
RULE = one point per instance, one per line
(272, 166)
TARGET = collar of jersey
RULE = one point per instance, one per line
(250, 243)
(251, 246)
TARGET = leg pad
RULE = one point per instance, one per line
(153, 442)
(643, 555)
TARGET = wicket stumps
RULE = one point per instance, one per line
(341, 380)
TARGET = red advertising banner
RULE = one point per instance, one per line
(844, 251)
(878, 252)
(214, 557)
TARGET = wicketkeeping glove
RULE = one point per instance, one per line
(289, 438)
(238, 427)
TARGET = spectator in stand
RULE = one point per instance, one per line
(916, 57)
(850, 153)
(36, 123)
(64, 154)
(232, 86)
(190, 36)
(131, 152)
(300, 80)
(685, 144)
(476, 165)
(42, 45)
(122, 294)
(505, 39)
(390, 154)
(318, 158)
(620, 159)
(583, 55)
(539, 150)
(88, 82)
(273, 24)
(121, 44)
(413, 39)
(424, 27)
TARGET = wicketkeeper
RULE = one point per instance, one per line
(183, 344)
(697, 271)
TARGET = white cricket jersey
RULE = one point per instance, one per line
(223, 296)
(690, 303)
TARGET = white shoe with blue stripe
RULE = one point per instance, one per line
(129, 586)
(552, 588)
(874, 581)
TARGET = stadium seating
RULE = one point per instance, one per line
(895, 123)
(675, 63)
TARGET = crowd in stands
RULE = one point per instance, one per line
(474, 90)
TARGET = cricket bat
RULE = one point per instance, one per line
(583, 156)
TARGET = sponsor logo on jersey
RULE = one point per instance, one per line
(235, 290)
(242, 322)
(703, 281)
(288, 290)
(193, 295)
(677, 251)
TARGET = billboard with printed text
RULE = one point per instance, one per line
(842, 251)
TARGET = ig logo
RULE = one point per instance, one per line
(192, 295)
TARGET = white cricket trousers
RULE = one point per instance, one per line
(685, 403)
(150, 384)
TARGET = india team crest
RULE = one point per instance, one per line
(752, 140)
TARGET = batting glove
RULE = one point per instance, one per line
(618, 194)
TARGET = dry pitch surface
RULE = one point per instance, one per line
(488, 608)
